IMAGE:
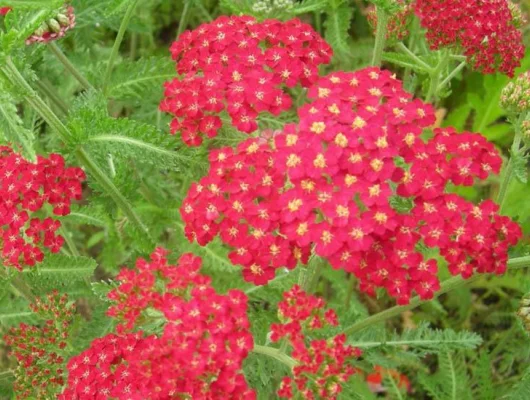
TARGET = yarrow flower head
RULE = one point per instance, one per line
(322, 365)
(26, 188)
(241, 66)
(515, 97)
(355, 181)
(4, 10)
(484, 29)
(54, 28)
(39, 350)
(199, 353)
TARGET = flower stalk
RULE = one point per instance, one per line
(117, 43)
(69, 66)
(380, 36)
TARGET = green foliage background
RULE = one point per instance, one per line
(467, 344)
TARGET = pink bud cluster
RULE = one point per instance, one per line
(39, 349)
(322, 365)
(485, 29)
(242, 66)
(199, 353)
(26, 188)
(332, 182)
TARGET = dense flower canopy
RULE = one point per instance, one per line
(356, 180)
(26, 188)
(485, 29)
(241, 66)
(199, 353)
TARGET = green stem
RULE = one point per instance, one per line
(50, 93)
(55, 123)
(117, 43)
(69, 241)
(183, 18)
(69, 66)
(112, 190)
(447, 286)
(35, 101)
(453, 73)
(413, 56)
(435, 78)
(276, 354)
(508, 171)
(380, 36)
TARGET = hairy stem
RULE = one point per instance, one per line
(435, 78)
(453, 73)
(380, 36)
(51, 94)
(413, 56)
(69, 66)
(183, 18)
(111, 189)
(446, 286)
(69, 241)
(276, 354)
(117, 43)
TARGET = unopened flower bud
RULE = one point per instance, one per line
(54, 25)
(515, 97)
(525, 130)
(63, 19)
(524, 312)
(41, 30)
(518, 17)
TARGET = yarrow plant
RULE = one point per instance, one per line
(272, 264)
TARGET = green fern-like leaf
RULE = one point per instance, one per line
(123, 138)
(424, 339)
(133, 79)
(12, 129)
(337, 27)
(58, 271)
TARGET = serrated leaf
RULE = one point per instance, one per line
(425, 339)
(131, 79)
(520, 169)
(58, 271)
(123, 138)
(12, 128)
(337, 27)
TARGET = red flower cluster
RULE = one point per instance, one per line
(239, 65)
(322, 364)
(198, 355)
(55, 28)
(25, 187)
(485, 29)
(4, 10)
(356, 180)
(38, 350)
